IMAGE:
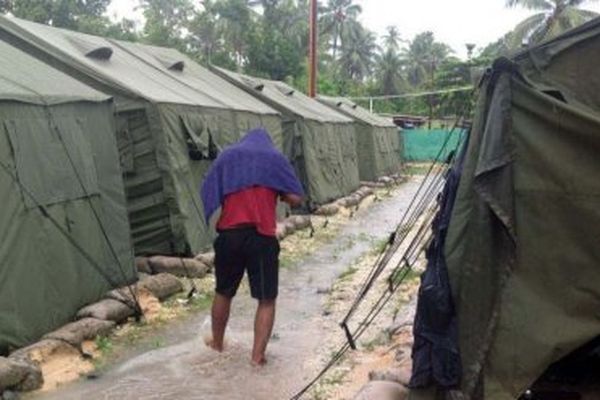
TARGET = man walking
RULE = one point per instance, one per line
(246, 181)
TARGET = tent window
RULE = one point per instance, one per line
(198, 138)
(54, 160)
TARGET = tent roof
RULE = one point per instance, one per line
(190, 73)
(352, 109)
(107, 62)
(25, 79)
(287, 97)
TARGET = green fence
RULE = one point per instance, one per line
(424, 144)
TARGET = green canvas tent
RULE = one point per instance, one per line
(522, 245)
(378, 144)
(171, 124)
(58, 155)
(319, 141)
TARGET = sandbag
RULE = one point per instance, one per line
(290, 227)
(19, 375)
(399, 375)
(382, 390)
(107, 310)
(364, 192)
(301, 221)
(124, 294)
(183, 267)
(141, 264)
(161, 285)
(207, 258)
(281, 231)
(350, 201)
(327, 210)
(386, 180)
(375, 185)
(77, 332)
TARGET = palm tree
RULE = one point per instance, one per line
(338, 16)
(391, 40)
(358, 52)
(554, 18)
(236, 18)
(205, 34)
(389, 73)
(422, 58)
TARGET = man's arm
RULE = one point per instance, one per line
(292, 199)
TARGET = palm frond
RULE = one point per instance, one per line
(526, 30)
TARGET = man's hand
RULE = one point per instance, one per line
(292, 199)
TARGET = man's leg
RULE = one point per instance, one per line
(220, 315)
(229, 271)
(263, 327)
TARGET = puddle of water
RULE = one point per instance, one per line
(186, 369)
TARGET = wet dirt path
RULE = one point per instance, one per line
(184, 368)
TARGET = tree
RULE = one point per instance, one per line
(338, 18)
(358, 53)
(389, 69)
(391, 41)
(59, 13)
(166, 20)
(277, 46)
(237, 23)
(554, 18)
(204, 33)
(389, 73)
(422, 58)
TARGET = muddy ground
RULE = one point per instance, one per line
(167, 358)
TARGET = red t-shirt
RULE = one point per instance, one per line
(253, 206)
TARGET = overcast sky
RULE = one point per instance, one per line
(455, 22)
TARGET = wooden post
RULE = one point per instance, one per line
(312, 50)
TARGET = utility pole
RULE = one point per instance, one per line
(312, 50)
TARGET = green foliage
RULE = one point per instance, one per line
(84, 16)
(269, 38)
(554, 18)
(104, 345)
(277, 45)
(166, 21)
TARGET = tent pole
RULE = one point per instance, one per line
(312, 51)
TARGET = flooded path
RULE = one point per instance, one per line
(184, 368)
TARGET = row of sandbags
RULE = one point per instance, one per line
(293, 224)
(195, 268)
(385, 181)
(352, 200)
(21, 371)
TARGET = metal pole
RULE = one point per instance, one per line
(312, 50)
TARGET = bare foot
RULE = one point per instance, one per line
(209, 341)
(260, 363)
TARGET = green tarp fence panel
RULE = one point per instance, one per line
(425, 145)
(57, 140)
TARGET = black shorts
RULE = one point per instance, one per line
(244, 249)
